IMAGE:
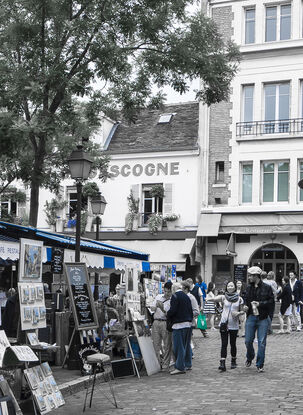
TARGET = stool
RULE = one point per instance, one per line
(97, 360)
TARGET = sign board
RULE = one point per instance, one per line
(57, 260)
(240, 272)
(81, 296)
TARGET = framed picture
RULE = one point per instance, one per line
(30, 265)
(46, 369)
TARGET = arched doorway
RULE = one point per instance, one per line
(277, 258)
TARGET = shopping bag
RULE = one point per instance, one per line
(201, 322)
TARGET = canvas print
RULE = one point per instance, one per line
(59, 398)
(30, 260)
(25, 295)
(32, 294)
(46, 369)
(39, 373)
(31, 378)
(27, 314)
(51, 402)
(53, 383)
(39, 292)
(42, 313)
(36, 315)
(40, 401)
(33, 339)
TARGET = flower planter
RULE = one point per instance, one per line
(59, 225)
(171, 225)
(135, 224)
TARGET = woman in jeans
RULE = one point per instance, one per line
(231, 302)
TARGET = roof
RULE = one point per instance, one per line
(14, 232)
(147, 134)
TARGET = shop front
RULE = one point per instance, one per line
(238, 241)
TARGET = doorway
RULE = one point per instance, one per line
(277, 258)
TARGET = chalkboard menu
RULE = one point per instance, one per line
(81, 296)
(57, 260)
(240, 272)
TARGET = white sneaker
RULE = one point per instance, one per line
(213, 329)
(298, 328)
(280, 332)
(287, 331)
(177, 372)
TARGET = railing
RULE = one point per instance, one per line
(289, 126)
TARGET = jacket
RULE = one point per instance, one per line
(180, 308)
(195, 293)
(297, 292)
(286, 297)
(264, 295)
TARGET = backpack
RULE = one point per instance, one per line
(195, 293)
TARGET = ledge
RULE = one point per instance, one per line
(137, 235)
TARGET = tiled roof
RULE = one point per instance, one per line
(146, 134)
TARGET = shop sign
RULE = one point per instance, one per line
(149, 169)
(57, 260)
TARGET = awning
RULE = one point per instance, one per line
(261, 223)
(187, 246)
(9, 248)
(209, 224)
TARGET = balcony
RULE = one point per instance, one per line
(263, 128)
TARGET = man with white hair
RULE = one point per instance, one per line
(258, 302)
(181, 316)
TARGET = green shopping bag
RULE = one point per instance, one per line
(201, 322)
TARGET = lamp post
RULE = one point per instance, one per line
(79, 166)
(98, 204)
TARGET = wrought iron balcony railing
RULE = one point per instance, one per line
(289, 126)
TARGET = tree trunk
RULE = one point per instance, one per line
(36, 180)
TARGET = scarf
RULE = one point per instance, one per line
(232, 297)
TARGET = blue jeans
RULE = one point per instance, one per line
(182, 349)
(252, 325)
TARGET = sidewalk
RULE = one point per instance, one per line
(205, 390)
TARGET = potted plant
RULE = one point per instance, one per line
(51, 211)
(157, 190)
(170, 221)
(90, 190)
(132, 218)
(155, 222)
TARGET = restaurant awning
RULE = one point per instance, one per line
(209, 224)
(187, 246)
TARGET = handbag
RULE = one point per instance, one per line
(201, 322)
(224, 324)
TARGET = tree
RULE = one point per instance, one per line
(110, 54)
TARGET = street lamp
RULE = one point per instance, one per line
(79, 166)
(98, 204)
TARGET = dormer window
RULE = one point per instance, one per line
(166, 118)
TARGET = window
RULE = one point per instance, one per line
(247, 171)
(276, 107)
(72, 203)
(250, 15)
(300, 178)
(8, 208)
(165, 118)
(275, 181)
(151, 204)
(278, 23)
(248, 103)
(219, 171)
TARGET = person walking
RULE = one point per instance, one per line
(285, 296)
(258, 303)
(297, 299)
(203, 287)
(186, 285)
(162, 338)
(209, 307)
(195, 290)
(242, 317)
(229, 323)
(270, 280)
(181, 316)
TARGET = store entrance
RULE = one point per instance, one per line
(277, 258)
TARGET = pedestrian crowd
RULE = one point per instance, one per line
(242, 313)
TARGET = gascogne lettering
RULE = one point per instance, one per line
(150, 169)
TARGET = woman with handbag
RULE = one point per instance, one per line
(229, 323)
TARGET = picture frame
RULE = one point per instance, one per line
(30, 264)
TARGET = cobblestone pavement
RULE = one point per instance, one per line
(205, 390)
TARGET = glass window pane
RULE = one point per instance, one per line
(247, 168)
(301, 177)
(250, 26)
(283, 101)
(271, 24)
(270, 102)
(283, 187)
(268, 167)
(285, 22)
(268, 187)
(248, 102)
(283, 166)
(247, 188)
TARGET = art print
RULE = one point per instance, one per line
(42, 313)
(53, 383)
(33, 339)
(43, 388)
(30, 266)
(25, 295)
(59, 398)
(39, 372)
(27, 314)
(46, 369)
(36, 315)
(32, 294)
(39, 292)
(51, 402)
(40, 402)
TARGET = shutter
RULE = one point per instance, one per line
(168, 199)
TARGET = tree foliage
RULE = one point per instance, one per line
(110, 54)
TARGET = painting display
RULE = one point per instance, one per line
(44, 388)
(30, 265)
(32, 305)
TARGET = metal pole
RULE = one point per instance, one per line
(78, 222)
(97, 227)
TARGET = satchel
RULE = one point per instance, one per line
(201, 322)
(169, 325)
(223, 327)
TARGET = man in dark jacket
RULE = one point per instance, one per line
(286, 301)
(258, 303)
(181, 315)
(297, 299)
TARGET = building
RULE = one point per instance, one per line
(252, 213)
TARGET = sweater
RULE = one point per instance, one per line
(180, 308)
(264, 295)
